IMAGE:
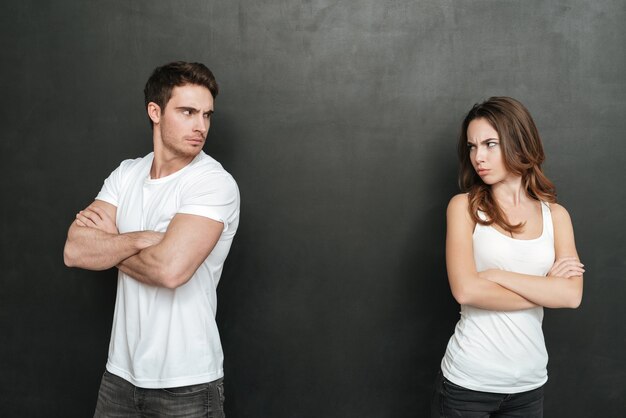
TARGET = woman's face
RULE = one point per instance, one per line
(485, 152)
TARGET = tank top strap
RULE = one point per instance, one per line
(481, 215)
(548, 227)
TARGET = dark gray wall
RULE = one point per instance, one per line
(339, 120)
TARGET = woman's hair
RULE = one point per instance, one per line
(522, 152)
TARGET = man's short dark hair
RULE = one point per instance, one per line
(175, 74)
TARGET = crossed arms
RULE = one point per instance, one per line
(160, 259)
(507, 291)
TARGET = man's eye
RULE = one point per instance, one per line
(207, 115)
(186, 112)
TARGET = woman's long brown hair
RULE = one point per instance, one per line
(522, 152)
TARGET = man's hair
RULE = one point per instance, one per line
(175, 74)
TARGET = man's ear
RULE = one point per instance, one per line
(154, 112)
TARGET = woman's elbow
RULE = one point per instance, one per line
(576, 299)
(461, 295)
(575, 294)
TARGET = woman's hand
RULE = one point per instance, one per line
(567, 267)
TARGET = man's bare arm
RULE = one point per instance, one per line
(188, 241)
(93, 242)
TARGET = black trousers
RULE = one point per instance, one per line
(450, 400)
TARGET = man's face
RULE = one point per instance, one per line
(185, 120)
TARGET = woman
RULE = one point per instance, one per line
(510, 252)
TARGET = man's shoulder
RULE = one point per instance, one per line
(135, 163)
(208, 167)
(206, 182)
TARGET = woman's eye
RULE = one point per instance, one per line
(491, 144)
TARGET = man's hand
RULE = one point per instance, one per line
(94, 242)
(95, 217)
(149, 238)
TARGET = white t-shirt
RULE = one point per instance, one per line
(168, 337)
(502, 352)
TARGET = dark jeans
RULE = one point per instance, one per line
(119, 398)
(450, 400)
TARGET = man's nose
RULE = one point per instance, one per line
(201, 124)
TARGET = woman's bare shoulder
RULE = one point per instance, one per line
(559, 213)
(458, 209)
(459, 202)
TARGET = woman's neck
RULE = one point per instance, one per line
(510, 192)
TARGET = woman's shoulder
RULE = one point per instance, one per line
(459, 201)
(559, 213)
(458, 206)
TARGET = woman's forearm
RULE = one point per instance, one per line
(547, 291)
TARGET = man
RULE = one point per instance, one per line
(166, 221)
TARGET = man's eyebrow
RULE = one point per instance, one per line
(194, 110)
(191, 109)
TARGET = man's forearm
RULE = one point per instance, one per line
(93, 249)
(156, 266)
(144, 268)
(172, 262)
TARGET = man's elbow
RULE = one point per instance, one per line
(71, 250)
(173, 283)
(69, 258)
(172, 279)
(73, 257)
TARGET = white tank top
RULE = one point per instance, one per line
(502, 352)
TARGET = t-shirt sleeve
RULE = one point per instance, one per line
(112, 185)
(213, 195)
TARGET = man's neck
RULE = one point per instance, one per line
(165, 164)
